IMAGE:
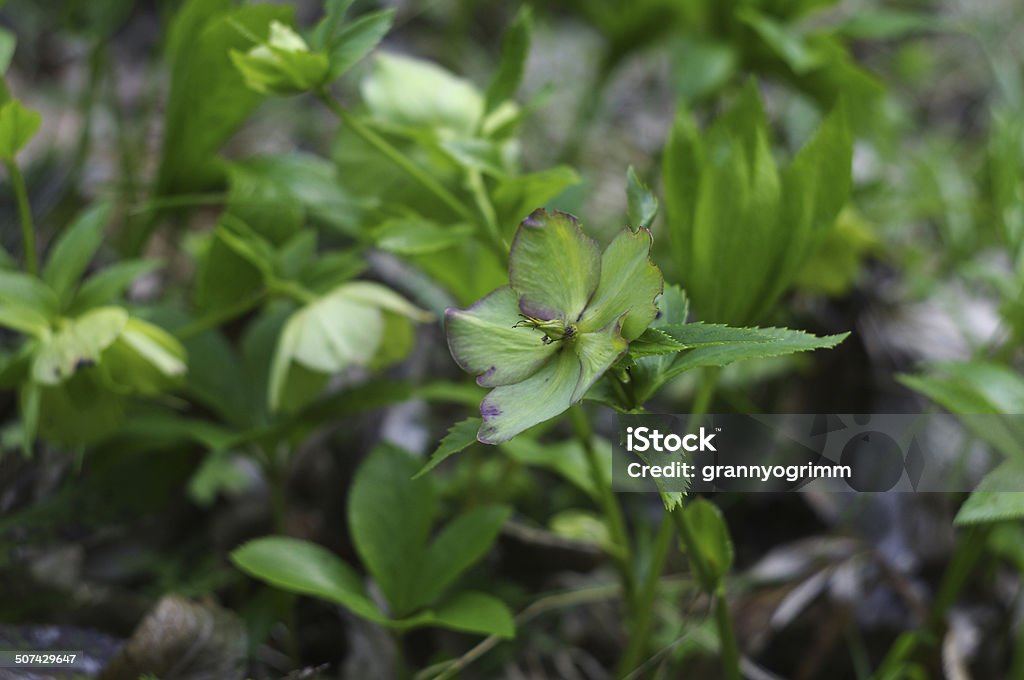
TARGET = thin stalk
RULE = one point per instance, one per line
(396, 156)
(486, 208)
(644, 601)
(729, 651)
(572, 598)
(28, 229)
(609, 503)
(219, 317)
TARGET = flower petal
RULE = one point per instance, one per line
(484, 342)
(553, 266)
(510, 409)
(629, 284)
(597, 352)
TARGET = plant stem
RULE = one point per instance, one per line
(486, 208)
(28, 230)
(644, 601)
(395, 156)
(218, 317)
(609, 503)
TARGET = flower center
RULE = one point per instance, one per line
(554, 330)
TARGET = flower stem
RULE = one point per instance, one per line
(395, 156)
(609, 504)
(28, 230)
(644, 601)
(486, 208)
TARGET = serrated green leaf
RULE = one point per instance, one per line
(75, 249)
(308, 569)
(773, 342)
(999, 497)
(641, 201)
(461, 435)
(655, 342)
(390, 516)
(21, 290)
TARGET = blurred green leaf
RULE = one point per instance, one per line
(514, 50)
(308, 569)
(643, 204)
(356, 40)
(998, 497)
(110, 283)
(714, 547)
(17, 126)
(208, 99)
(417, 236)
(75, 249)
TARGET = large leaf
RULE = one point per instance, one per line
(470, 612)
(390, 516)
(308, 569)
(553, 266)
(75, 249)
(459, 545)
(772, 342)
(208, 100)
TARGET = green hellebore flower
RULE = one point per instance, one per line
(283, 64)
(567, 316)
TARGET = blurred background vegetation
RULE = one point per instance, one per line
(115, 532)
